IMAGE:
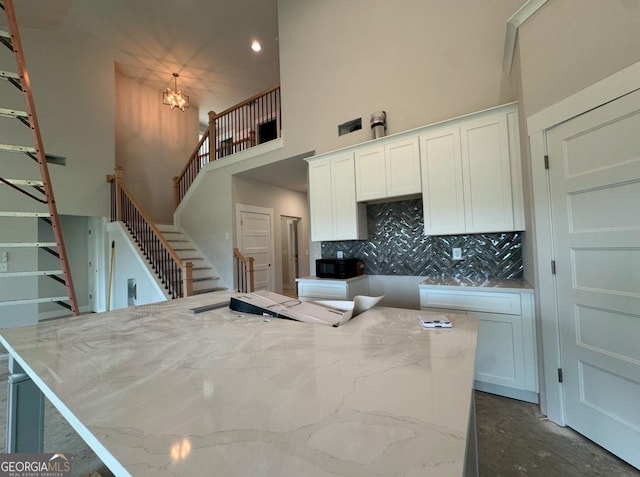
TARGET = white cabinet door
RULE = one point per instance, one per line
(506, 362)
(371, 180)
(320, 200)
(442, 188)
(471, 176)
(500, 350)
(388, 170)
(347, 213)
(486, 172)
(402, 161)
(329, 289)
(517, 191)
(334, 213)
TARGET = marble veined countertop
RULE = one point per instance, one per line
(494, 284)
(158, 391)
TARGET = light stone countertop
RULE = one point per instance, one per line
(491, 284)
(157, 391)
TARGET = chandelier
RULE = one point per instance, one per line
(175, 98)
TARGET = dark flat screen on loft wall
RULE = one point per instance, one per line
(267, 131)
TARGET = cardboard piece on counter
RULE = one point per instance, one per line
(329, 312)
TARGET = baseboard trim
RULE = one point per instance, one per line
(519, 394)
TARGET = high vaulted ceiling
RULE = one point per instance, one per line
(206, 41)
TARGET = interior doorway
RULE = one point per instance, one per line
(289, 242)
(594, 177)
(255, 239)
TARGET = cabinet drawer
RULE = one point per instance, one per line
(487, 302)
(322, 291)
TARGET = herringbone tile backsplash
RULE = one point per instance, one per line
(397, 245)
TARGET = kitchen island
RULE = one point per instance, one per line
(157, 391)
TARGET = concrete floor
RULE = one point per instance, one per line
(514, 439)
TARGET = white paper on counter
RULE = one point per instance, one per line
(360, 304)
(326, 312)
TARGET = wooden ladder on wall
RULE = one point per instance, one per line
(28, 195)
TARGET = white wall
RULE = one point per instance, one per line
(399, 291)
(75, 232)
(72, 80)
(16, 230)
(421, 61)
(564, 47)
(207, 211)
(128, 263)
(73, 85)
(283, 202)
(570, 44)
(152, 144)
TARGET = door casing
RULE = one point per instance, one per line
(540, 228)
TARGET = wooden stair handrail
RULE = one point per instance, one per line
(248, 101)
(186, 267)
(183, 181)
(195, 152)
(247, 262)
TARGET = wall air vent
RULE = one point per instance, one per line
(349, 126)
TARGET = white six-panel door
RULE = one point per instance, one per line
(594, 178)
(255, 239)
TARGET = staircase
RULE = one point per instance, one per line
(204, 279)
(26, 203)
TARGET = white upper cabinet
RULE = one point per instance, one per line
(388, 170)
(486, 175)
(468, 170)
(471, 175)
(334, 213)
(442, 190)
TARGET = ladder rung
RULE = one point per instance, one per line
(25, 214)
(11, 148)
(28, 244)
(5, 34)
(9, 75)
(13, 113)
(36, 273)
(31, 151)
(27, 301)
(25, 182)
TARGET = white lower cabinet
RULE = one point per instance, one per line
(506, 352)
(312, 288)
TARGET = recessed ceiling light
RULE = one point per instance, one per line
(256, 46)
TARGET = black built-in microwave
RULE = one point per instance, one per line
(339, 267)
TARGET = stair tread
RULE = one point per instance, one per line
(205, 279)
(166, 227)
(208, 290)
